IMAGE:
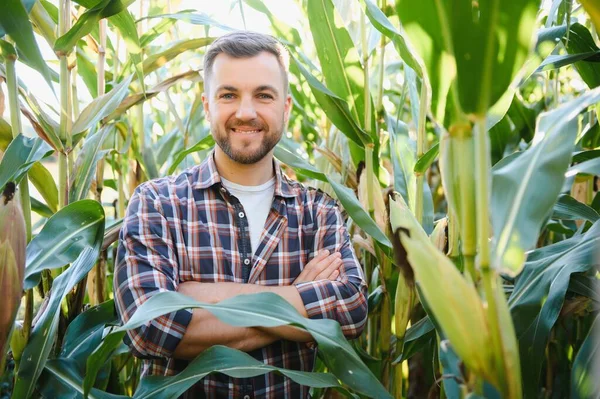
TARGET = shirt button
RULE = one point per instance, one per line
(246, 396)
(241, 214)
(246, 261)
(223, 190)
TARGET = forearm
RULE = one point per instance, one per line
(206, 330)
(216, 292)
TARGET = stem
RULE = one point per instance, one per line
(369, 174)
(489, 276)
(421, 144)
(382, 43)
(467, 220)
(365, 56)
(64, 24)
(242, 12)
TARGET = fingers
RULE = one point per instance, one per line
(333, 266)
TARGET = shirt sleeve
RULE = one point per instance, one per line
(146, 264)
(344, 299)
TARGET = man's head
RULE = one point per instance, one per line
(245, 94)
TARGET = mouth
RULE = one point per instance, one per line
(243, 130)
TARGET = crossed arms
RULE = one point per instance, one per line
(147, 263)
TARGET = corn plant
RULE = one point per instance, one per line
(461, 138)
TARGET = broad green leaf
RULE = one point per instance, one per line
(28, 4)
(5, 134)
(358, 214)
(125, 24)
(65, 235)
(581, 42)
(558, 61)
(299, 164)
(443, 288)
(539, 293)
(591, 167)
(339, 59)
(226, 361)
(451, 368)
(66, 371)
(91, 152)
(155, 61)
(264, 309)
(43, 181)
(20, 156)
(418, 335)
(40, 208)
(40, 343)
(192, 18)
(335, 108)
(525, 190)
(101, 107)
(203, 144)
(87, 21)
(139, 98)
(569, 208)
(593, 10)
(427, 159)
(43, 124)
(584, 374)
(14, 21)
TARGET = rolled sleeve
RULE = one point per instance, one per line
(146, 264)
(344, 299)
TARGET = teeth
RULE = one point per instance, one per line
(245, 131)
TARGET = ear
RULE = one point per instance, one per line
(205, 106)
(288, 108)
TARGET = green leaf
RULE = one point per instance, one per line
(299, 164)
(539, 293)
(66, 371)
(581, 42)
(358, 214)
(591, 167)
(267, 310)
(340, 62)
(417, 336)
(525, 190)
(62, 239)
(427, 159)
(558, 61)
(226, 361)
(101, 107)
(584, 374)
(20, 156)
(125, 24)
(383, 25)
(155, 61)
(43, 181)
(42, 338)
(192, 18)
(569, 208)
(203, 144)
(86, 23)
(84, 334)
(14, 21)
(334, 107)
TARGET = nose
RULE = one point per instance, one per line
(246, 109)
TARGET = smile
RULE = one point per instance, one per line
(246, 131)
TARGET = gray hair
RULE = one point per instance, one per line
(244, 44)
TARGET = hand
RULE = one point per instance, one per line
(322, 267)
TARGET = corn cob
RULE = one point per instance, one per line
(13, 242)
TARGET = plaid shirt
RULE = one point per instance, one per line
(190, 228)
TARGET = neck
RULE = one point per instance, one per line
(247, 175)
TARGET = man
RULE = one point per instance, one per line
(236, 225)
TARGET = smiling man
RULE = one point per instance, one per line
(235, 224)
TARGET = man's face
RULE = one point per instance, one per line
(246, 105)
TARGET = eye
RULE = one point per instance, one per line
(265, 96)
(227, 96)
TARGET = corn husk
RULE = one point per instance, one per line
(13, 242)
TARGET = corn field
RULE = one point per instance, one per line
(461, 138)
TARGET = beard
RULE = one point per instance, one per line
(247, 156)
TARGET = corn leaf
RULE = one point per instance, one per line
(40, 343)
(524, 190)
(586, 367)
(155, 61)
(264, 309)
(43, 181)
(14, 22)
(539, 293)
(66, 371)
(581, 42)
(204, 144)
(20, 156)
(569, 208)
(65, 235)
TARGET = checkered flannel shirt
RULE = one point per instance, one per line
(190, 228)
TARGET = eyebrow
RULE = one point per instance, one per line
(258, 89)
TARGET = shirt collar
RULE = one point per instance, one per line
(208, 176)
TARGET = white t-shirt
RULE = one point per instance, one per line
(257, 201)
